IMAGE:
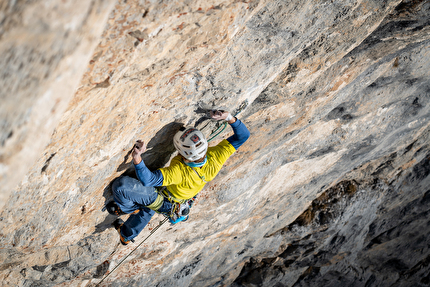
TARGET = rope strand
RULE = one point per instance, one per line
(212, 136)
(150, 234)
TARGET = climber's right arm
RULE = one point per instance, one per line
(147, 177)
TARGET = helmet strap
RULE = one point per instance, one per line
(196, 164)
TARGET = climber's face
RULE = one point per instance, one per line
(200, 159)
(196, 161)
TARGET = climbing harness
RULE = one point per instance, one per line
(165, 193)
(179, 212)
(122, 261)
(180, 208)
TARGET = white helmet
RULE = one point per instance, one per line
(190, 143)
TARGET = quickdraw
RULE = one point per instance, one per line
(180, 208)
(177, 206)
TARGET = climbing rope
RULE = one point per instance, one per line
(217, 132)
(224, 125)
(119, 264)
(211, 137)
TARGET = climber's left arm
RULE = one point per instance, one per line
(241, 133)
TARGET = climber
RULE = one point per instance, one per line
(189, 171)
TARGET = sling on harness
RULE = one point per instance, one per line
(183, 210)
(180, 207)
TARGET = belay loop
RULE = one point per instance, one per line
(180, 208)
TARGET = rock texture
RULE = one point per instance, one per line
(45, 48)
(331, 189)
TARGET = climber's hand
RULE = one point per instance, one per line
(138, 149)
(221, 115)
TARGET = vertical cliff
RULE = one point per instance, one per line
(331, 188)
(45, 48)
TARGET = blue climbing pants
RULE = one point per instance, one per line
(130, 194)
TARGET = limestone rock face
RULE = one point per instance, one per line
(45, 48)
(331, 188)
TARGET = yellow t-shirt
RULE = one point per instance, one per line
(184, 183)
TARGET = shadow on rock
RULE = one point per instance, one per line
(159, 150)
(107, 223)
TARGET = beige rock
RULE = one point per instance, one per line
(45, 48)
(335, 94)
